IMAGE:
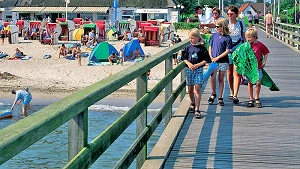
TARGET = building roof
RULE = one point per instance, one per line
(258, 7)
(255, 6)
(8, 3)
(96, 3)
(243, 7)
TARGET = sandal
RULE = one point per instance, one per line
(258, 103)
(221, 102)
(211, 99)
(250, 104)
(197, 114)
(192, 107)
(230, 96)
(235, 100)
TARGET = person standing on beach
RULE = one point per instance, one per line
(195, 56)
(78, 55)
(22, 96)
(2, 36)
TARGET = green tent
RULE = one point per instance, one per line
(102, 51)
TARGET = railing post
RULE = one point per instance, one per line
(292, 37)
(281, 33)
(77, 133)
(182, 77)
(168, 89)
(141, 121)
(298, 39)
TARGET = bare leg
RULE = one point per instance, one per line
(198, 96)
(213, 82)
(24, 110)
(191, 94)
(236, 81)
(257, 89)
(250, 91)
(230, 78)
(221, 83)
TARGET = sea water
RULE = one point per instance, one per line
(52, 150)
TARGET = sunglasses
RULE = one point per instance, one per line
(218, 26)
(215, 13)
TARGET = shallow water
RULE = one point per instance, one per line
(52, 150)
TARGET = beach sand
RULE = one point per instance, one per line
(59, 77)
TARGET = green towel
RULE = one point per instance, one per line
(245, 60)
(268, 82)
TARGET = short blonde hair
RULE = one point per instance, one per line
(224, 23)
(196, 33)
(251, 32)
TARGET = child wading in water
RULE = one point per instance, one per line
(261, 53)
(220, 45)
(195, 56)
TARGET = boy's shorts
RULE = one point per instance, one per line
(27, 99)
(222, 66)
(194, 76)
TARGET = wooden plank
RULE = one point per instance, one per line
(162, 148)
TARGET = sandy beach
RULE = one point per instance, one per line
(59, 77)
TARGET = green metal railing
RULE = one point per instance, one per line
(74, 110)
(287, 33)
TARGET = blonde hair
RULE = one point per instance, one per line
(251, 32)
(196, 33)
(224, 23)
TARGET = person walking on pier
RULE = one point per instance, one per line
(261, 52)
(220, 45)
(269, 24)
(195, 56)
(237, 31)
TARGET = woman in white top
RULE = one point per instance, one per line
(237, 31)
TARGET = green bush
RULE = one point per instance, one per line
(186, 26)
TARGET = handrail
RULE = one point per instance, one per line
(20, 135)
(286, 33)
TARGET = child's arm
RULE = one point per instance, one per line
(189, 64)
(210, 52)
(221, 56)
(264, 61)
(200, 64)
